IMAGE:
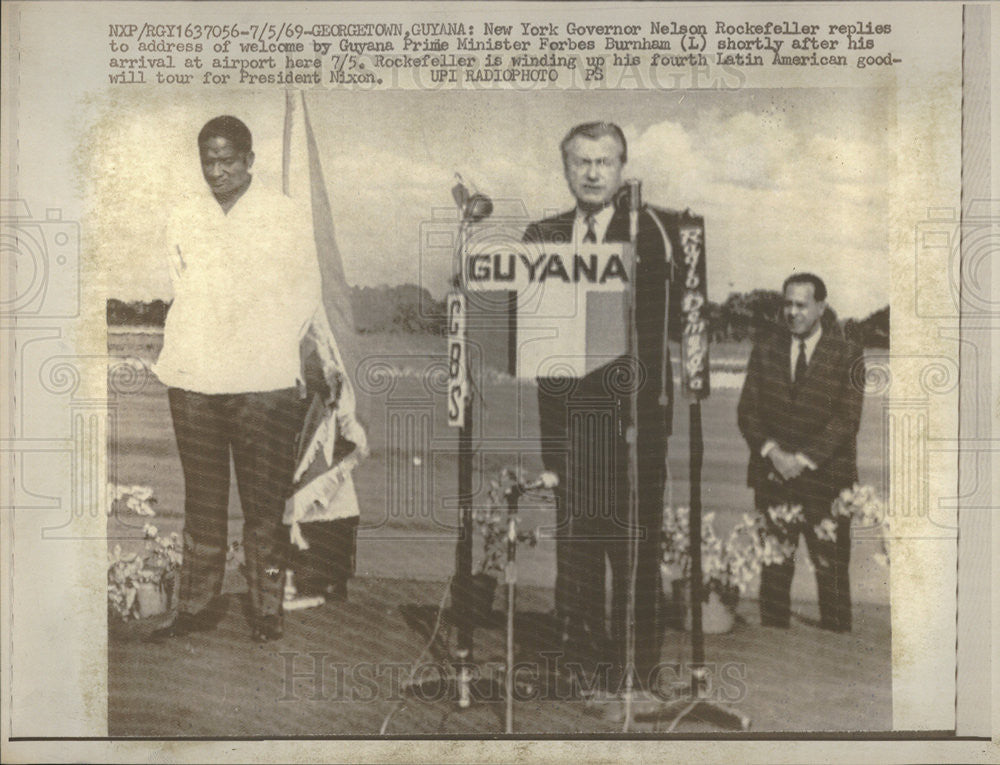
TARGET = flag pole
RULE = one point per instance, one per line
(286, 143)
(463, 552)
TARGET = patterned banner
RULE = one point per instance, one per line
(694, 333)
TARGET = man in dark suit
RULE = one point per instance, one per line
(585, 421)
(799, 412)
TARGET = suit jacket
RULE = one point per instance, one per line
(819, 418)
(652, 279)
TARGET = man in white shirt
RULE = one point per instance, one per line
(246, 284)
(799, 411)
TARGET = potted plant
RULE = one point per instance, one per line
(123, 575)
(728, 566)
(144, 584)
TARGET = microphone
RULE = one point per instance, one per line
(634, 186)
(629, 196)
(478, 207)
(474, 205)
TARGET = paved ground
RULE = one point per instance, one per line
(340, 670)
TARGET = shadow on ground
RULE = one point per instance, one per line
(341, 669)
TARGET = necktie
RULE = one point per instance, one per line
(591, 236)
(800, 363)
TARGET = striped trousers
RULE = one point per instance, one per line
(260, 430)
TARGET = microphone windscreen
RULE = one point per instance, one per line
(635, 193)
(478, 207)
(621, 198)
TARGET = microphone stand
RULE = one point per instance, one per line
(632, 438)
(461, 684)
(462, 605)
(698, 705)
(513, 494)
(510, 574)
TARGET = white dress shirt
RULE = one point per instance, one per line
(602, 219)
(246, 284)
(811, 343)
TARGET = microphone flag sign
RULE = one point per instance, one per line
(458, 384)
(694, 327)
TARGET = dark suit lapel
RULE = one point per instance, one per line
(618, 227)
(820, 358)
(785, 359)
(563, 228)
(558, 229)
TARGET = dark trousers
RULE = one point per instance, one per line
(330, 558)
(831, 559)
(582, 424)
(260, 430)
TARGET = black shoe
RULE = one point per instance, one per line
(182, 624)
(337, 591)
(268, 628)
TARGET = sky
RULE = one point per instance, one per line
(787, 179)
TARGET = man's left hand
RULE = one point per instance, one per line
(787, 465)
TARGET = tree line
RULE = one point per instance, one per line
(410, 308)
(401, 308)
(744, 314)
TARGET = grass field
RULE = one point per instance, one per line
(407, 491)
(407, 488)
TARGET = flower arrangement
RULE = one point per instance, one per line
(131, 575)
(143, 583)
(729, 566)
(862, 504)
(492, 527)
(136, 499)
(866, 509)
(491, 522)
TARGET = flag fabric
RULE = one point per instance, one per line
(336, 293)
(332, 440)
